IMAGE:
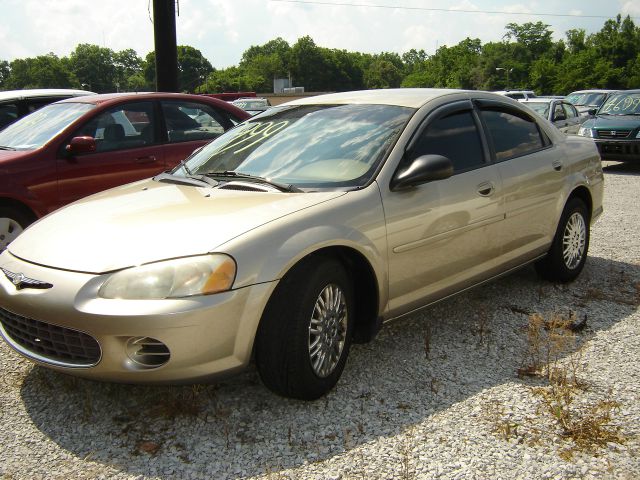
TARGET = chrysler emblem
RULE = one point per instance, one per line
(21, 281)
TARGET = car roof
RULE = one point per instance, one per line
(41, 92)
(542, 100)
(115, 98)
(504, 92)
(403, 97)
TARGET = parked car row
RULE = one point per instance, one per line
(283, 240)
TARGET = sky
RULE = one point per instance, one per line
(223, 29)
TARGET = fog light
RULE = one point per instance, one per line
(147, 352)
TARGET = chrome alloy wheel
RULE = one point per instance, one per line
(9, 230)
(573, 240)
(328, 330)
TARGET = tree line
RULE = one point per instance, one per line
(526, 57)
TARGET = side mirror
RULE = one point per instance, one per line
(559, 116)
(592, 111)
(81, 145)
(423, 169)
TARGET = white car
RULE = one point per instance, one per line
(15, 104)
(517, 94)
(562, 114)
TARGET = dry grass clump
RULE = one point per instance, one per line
(552, 356)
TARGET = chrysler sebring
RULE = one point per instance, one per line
(297, 233)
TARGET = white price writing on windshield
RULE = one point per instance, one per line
(255, 135)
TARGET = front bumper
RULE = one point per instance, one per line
(619, 150)
(206, 336)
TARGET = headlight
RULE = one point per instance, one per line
(585, 132)
(184, 277)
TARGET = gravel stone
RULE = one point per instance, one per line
(454, 410)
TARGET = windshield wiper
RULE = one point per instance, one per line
(284, 187)
(2, 147)
(194, 180)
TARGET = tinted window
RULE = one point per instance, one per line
(512, 134)
(186, 121)
(127, 126)
(455, 137)
(8, 114)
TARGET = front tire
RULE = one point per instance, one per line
(12, 223)
(305, 334)
(568, 252)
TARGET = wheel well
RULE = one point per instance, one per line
(583, 194)
(365, 288)
(19, 206)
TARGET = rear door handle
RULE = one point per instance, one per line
(486, 189)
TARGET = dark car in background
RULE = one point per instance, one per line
(73, 148)
(616, 127)
(15, 104)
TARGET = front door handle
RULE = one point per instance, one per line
(486, 189)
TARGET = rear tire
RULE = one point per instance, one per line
(12, 223)
(305, 333)
(568, 252)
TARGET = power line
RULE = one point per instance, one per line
(446, 10)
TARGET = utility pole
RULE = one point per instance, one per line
(164, 33)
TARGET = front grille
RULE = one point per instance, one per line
(49, 343)
(614, 133)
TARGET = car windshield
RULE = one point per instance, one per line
(308, 146)
(582, 99)
(540, 107)
(36, 129)
(622, 103)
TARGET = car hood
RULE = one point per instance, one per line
(149, 221)
(611, 122)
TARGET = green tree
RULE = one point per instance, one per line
(382, 74)
(193, 69)
(94, 67)
(308, 66)
(5, 71)
(127, 64)
(45, 71)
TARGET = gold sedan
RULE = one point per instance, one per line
(296, 233)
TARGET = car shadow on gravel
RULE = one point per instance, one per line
(415, 368)
(621, 168)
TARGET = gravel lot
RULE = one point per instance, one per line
(436, 395)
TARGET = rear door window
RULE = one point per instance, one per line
(513, 133)
(188, 121)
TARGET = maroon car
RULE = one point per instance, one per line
(76, 147)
